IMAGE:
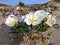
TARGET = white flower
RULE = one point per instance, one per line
(22, 19)
(17, 8)
(48, 13)
(41, 13)
(51, 20)
(11, 20)
(32, 19)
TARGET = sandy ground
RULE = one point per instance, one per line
(5, 37)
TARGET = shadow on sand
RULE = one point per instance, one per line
(6, 38)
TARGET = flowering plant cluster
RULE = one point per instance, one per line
(32, 25)
(5, 11)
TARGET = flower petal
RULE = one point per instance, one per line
(27, 22)
(41, 13)
(30, 15)
(37, 22)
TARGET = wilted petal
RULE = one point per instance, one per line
(16, 13)
(52, 43)
(11, 12)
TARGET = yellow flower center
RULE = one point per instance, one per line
(32, 20)
(40, 15)
(49, 21)
(13, 21)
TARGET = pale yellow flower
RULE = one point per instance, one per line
(51, 20)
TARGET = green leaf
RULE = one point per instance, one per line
(50, 34)
(13, 32)
(23, 27)
(55, 25)
(51, 28)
